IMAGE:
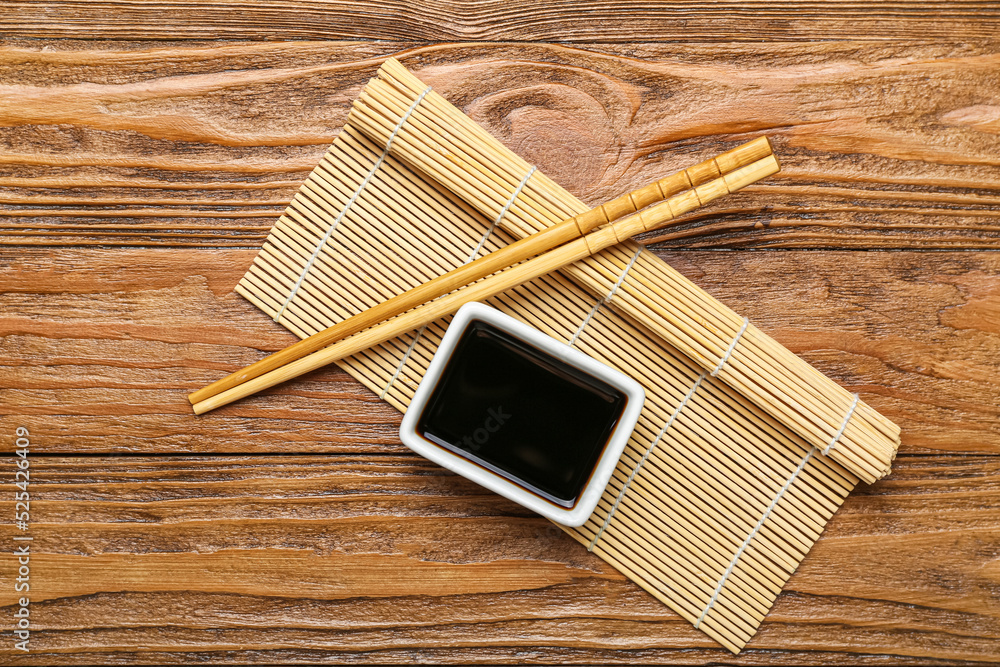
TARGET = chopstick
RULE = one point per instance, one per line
(509, 255)
(567, 253)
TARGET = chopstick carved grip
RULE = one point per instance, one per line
(572, 251)
(509, 255)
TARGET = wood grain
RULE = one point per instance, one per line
(389, 558)
(138, 177)
(918, 334)
(136, 145)
(477, 20)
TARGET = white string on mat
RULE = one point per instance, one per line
(775, 501)
(635, 471)
(753, 533)
(350, 202)
(472, 256)
(607, 298)
(402, 362)
(732, 346)
(843, 426)
(502, 214)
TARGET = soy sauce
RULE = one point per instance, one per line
(521, 413)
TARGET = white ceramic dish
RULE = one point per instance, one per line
(591, 493)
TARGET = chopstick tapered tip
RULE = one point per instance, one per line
(200, 395)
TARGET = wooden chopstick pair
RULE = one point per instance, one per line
(552, 248)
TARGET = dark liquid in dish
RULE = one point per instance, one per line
(521, 413)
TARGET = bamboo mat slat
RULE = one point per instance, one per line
(716, 499)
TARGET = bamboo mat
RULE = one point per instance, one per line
(716, 499)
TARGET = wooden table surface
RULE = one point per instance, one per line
(145, 150)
